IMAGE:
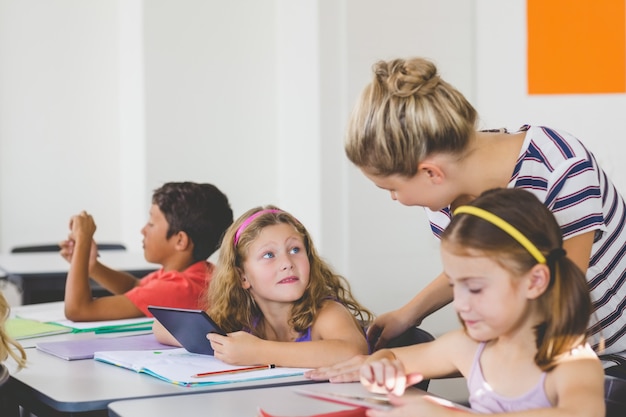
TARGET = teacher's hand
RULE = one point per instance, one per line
(347, 371)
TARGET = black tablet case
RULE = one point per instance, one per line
(189, 327)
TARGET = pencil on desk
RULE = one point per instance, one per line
(234, 371)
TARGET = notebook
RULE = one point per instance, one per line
(55, 314)
(20, 329)
(178, 366)
(71, 350)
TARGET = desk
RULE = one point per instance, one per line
(40, 277)
(50, 386)
(279, 401)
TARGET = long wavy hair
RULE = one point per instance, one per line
(6, 342)
(233, 308)
(566, 305)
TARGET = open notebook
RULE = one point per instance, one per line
(178, 366)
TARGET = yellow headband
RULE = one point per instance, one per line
(515, 234)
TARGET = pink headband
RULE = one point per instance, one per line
(249, 220)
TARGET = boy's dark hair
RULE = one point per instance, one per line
(200, 210)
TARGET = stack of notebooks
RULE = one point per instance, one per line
(19, 328)
(52, 320)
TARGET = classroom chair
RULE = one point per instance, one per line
(413, 336)
(57, 294)
(615, 396)
(8, 408)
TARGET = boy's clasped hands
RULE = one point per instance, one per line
(82, 226)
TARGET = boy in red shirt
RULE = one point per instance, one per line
(186, 224)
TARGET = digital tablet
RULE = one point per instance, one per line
(377, 402)
(369, 400)
(189, 327)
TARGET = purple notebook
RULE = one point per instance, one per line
(84, 348)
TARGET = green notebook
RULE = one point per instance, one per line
(19, 328)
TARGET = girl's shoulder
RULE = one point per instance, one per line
(457, 341)
(581, 370)
(577, 363)
(331, 306)
(581, 356)
(332, 315)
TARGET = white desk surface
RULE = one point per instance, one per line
(278, 401)
(53, 263)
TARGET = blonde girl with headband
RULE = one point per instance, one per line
(8, 346)
(524, 307)
(272, 291)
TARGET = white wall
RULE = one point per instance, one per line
(211, 96)
(392, 253)
(59, 121)
(104, 101)
(596, 119)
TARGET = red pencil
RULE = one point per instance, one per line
(234, 371)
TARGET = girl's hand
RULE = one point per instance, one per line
(238, 348)
(411, 405)
(387, 376)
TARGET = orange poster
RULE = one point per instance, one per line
(576, 46)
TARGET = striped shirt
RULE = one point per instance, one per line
(562, 173)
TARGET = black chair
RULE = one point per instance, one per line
(54, 247)
(8, 407)
(615, 396)
(413, 336)
(4, 375)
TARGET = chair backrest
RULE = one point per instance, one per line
(4, 374)
(54, 247)
(615, 396)
(412, 336)
(8, 405)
